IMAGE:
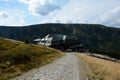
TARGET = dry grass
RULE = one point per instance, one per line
(102, 69)
(17, 57)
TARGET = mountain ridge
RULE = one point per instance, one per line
(92, 36)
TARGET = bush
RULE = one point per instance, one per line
(26, 40)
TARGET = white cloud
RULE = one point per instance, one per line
(60, 11)
(62, 20)
(41, 7)
(24, 1)
(4, 14)
(9, 19)
(67, 20)
(69, 13)
(111, 18)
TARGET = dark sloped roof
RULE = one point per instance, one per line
(59, 37)
(56, 36)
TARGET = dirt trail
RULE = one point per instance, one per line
(68, 67)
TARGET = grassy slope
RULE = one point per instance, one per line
(102, 69)
(17, 57)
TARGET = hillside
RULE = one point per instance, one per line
(17, 57)
(95, 37)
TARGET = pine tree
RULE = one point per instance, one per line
(26, 40)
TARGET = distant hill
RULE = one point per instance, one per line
(92, 36)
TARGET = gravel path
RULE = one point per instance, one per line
(68, 67)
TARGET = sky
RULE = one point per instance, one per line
(30, 12)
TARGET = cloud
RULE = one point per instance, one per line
(62, 20)
(9, 19)
(67, 20)
(111, 18)
(70, 12)
(41, 7)
(24, 1)
(4, 14)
